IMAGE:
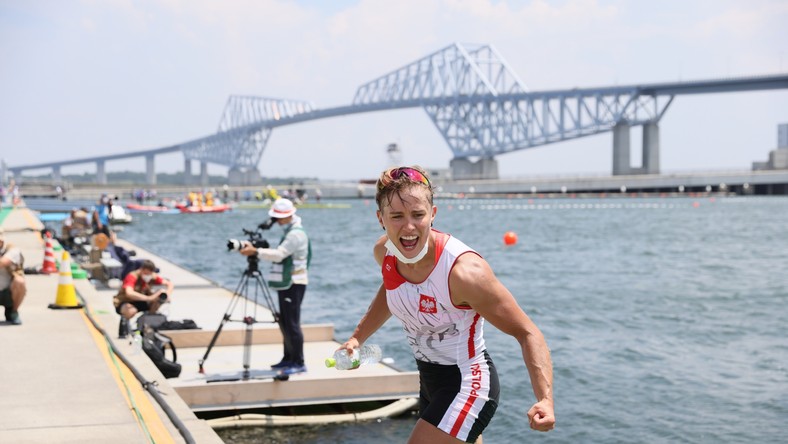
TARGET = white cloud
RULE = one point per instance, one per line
(123, 75)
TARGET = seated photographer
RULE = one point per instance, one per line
(289, 277)
(136, 294)
(77, 224)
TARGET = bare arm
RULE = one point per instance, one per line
(472, 282)
(133, 295)
(377, 314)
(5, 262)
(168, 283)
(10, 258)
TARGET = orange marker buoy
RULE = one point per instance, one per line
(510, 238)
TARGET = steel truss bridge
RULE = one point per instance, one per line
(475, 100)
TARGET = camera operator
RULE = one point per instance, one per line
(137, 293)
(289, 277)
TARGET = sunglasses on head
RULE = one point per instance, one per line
(412, 174)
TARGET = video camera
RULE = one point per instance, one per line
(255, 237)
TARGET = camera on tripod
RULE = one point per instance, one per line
(258, 289)
(255, 237)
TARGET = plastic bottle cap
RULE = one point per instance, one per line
(331, 362)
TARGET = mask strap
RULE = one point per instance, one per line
(400, 257)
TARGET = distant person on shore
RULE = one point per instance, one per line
(14, 194)
(12, 280)
(102, 213)
(442, 291)
(289, 278)
(75, 225)
(137, 294)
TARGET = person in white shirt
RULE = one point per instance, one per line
(289, 278)
(12, 280)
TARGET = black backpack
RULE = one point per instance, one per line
(155, 344)
(158, 322)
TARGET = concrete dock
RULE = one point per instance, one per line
(63, 384)
(60, 383)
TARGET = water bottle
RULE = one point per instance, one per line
(137, 345)
(367, 354)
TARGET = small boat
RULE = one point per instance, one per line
(119, 216)
(220, 208)
(136, 208)
(202, 203)
(258, 205)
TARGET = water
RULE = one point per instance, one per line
(666, 317)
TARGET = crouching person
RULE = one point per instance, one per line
(137, 294)
(12, 280)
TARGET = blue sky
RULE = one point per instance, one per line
(80, 78)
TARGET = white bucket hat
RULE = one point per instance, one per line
(282, 208)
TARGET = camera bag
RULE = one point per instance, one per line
(155, 345)
(152, 320)
(185, 324)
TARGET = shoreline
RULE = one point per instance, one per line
(745, 182)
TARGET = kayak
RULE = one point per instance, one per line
(136, 208)
(257, 205)
(205, 209)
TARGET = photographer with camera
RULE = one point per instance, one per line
(289, 278)
(136, 294)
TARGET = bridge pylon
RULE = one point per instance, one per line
(243, 133)
(244, 176)
(445, 82)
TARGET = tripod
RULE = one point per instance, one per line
(252, 273)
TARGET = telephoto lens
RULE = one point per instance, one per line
(234, 245)
(163, 297)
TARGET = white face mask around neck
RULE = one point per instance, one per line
(400, 257)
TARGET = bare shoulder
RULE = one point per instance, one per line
(471, 280)
(470, 268)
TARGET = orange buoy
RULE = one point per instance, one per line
(510, 238)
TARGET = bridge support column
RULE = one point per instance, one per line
(187, 172)
(56, 176)
(3, 173)
(204, 174)
(621, 164)
(239, 176)
(150, 170)
(651, 148)
(484, 168)
(101, 172)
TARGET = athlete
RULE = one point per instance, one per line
(442, 291)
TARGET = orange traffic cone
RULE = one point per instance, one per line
(66, 295)
(49, 258)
